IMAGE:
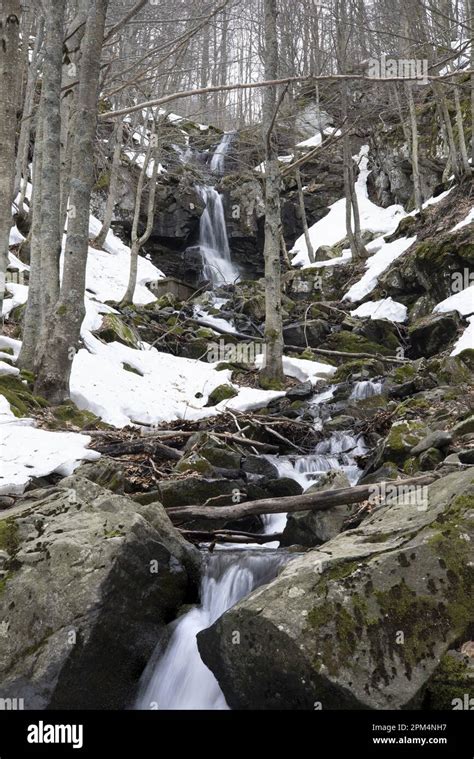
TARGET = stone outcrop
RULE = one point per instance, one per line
(89, 581)
(361, 623)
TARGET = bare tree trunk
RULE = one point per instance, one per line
(113, 185)
(27, 119)
(271, 375)
(304, 220)
(10, 15)
(470, 16)
(414, 148)
(51, 236)
(65, 327)
(137, 241)
(32, 319)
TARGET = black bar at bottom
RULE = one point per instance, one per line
(155, 733)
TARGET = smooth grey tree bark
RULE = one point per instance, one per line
(271, 375)
(51, 232)
(65, 326)
(10, 16)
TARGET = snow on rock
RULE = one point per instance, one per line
(466, 340)
(27, 452)
(15, 236)
(19, 295)
(302, 369)
(382, 309)
(377, 264)
(7, 369)
(467, 220)
(463, 302)
(107, 270)
(332, 228)
(316, 139)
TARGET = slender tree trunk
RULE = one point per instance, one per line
(65, 327)
(137, 242)
(470, 16)
(51, 233)
(272, 373)
(113, 185)
(32, 318)
(304, 220)
(10, 15)
(21, 178)
(414, 148)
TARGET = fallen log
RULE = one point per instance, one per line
(228, 536)
(325, 499)
(143, 445)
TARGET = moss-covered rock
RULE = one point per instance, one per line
(363, 621)
(20, 396)
(221, 393)
(68, 415)
(433, 333)
(350, 342)
(452, 681)
(403, 436)
(113, 329)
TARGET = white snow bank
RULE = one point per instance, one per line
(467, 220)
(376, 265)
(108, 269)
(302, 369)
(19, 295)
(382, 309)
(466, 340)
(463, 302)
(27, 452)
(332, 228)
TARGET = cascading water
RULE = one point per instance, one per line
(177, 678)
(366, 389)
(218, 159)
(213, 242)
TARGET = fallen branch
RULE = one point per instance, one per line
(144, 445)
(228, 536)
(326, 499)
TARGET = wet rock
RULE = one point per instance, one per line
(301, 391)
(311, 528)
(197, 490)
(401, 439)
(259, 465)
(326, 628)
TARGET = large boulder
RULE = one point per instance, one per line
(433, 333)
(361, 623)
(311, 528)
(90, 581)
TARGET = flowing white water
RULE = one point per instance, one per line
(366, 389)
(218, 159)
(178, 678)
(337, 452)
(213, 241)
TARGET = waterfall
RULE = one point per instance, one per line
(178, 678)
(213, 242)
(366, 389)
(218, 159)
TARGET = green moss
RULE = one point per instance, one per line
(68, 414)
(221, 393)
(411, 465)
(349, 369)
(114, 329)
(206, 334)
(452, 679)
(113, 534)
(130, 368)
(20, 397)
(103, 181)
(401, 439)
(349, 342)
(403, 373)
(268, 383)
(9, 540)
